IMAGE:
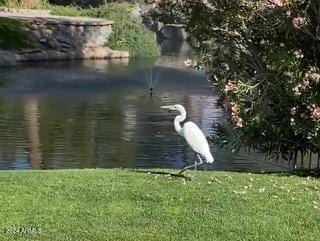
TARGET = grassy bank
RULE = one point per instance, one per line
(125, 205)
(13, 35)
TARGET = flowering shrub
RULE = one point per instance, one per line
(263, 55)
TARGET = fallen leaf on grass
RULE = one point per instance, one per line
(262, 189)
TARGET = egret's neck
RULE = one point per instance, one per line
(178, 120)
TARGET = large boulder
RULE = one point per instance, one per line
(137, 13)
(174, 32)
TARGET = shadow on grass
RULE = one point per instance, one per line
(315, 173)
(164, 173)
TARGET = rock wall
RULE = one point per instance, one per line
(87, 3)
(67, 34)
(81, 3)
(60, 38)
(174, 32)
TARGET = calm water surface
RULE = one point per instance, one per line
(100, 114)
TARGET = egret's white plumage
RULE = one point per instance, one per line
(192, 134)
(197, 141)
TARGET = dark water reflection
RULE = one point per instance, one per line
(100, 114)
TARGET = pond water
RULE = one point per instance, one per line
(100, 114)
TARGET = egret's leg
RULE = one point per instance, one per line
(194, 165)
(200, 160)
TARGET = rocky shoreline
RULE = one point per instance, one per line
(12, 58)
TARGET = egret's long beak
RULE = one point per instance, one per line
(168, 107)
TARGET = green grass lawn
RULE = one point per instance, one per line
(13, 34)
(98, 204)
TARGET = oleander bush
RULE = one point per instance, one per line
(264, 57)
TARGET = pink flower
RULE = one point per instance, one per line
(293, 110)
(239, 122)
(188, 62)
(235, 118)
(156, 2)
(314, 112)
(306, 84)
(292, 122)
(298, 22)
(315, 115)
(231, 86)
(298, 53)
(313, 74)
(301, 87)
(234, 108)
(297, 90)
(278, 3)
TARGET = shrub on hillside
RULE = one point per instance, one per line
(24, 4)
(13, 35)
(127, 34)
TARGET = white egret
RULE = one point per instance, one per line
(192, 134)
